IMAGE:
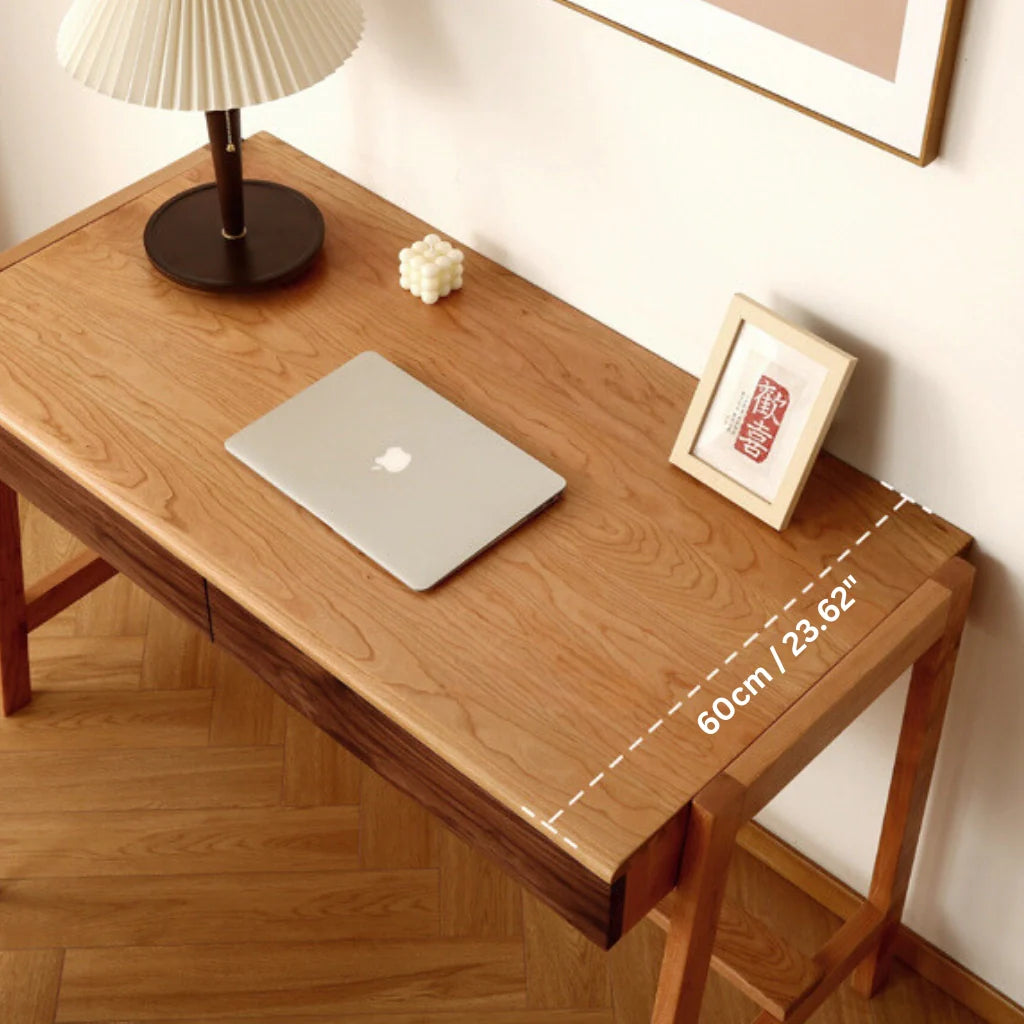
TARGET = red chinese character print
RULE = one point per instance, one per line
(761, 424)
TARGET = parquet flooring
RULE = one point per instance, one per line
(178, 846)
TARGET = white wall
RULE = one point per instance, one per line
(645, 191)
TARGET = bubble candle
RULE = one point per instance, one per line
(430, 269)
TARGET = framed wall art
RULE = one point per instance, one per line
(761, 411)
(879, 69)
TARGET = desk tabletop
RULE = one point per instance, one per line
(558, 672)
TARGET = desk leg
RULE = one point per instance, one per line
(710, 838)
(15, 689)
(912, 775)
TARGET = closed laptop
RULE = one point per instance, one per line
(408, 478)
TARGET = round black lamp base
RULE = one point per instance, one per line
(284, 233)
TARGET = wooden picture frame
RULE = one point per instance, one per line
(753, 439)
(895, 100)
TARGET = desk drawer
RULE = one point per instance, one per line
(110, 535)
(594, 906)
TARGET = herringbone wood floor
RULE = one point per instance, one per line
(177, 845)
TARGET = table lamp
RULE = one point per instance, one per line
(217, 56)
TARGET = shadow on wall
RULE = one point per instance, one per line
(7, 238)
(983, 727)
(866, 403)
(408, 32)
(409, 44)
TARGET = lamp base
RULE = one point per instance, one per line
(284, 234)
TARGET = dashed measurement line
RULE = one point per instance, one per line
(758, 679)
(723, 709)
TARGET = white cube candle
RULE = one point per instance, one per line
(430, 269)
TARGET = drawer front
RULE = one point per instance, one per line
(592, 905)
(110, 535)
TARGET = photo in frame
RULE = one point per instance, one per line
(878, 69)
(761, 411)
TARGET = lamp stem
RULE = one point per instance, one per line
(225, 131)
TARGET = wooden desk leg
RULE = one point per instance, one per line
(710, 838)
(912, 775)
(15, 690)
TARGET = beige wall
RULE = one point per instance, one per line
(646, 192)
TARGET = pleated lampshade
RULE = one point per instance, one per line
(206, 54)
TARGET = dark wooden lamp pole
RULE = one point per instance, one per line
(268, 234)
(225, 130)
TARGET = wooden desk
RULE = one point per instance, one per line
(544, 702)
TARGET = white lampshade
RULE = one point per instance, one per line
(206, 54)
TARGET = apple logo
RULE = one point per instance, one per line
(394, 460)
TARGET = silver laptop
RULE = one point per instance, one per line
(408, 478)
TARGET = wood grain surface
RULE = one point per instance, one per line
(58, 590)
(760, 963)
(845, 691)
(337, 979)
(703, 874)
(165, 852)
(593, 906)
(29, 981)
(926, 960)
(535, 667)
(14, 667)
(127, 547)
(916, 751)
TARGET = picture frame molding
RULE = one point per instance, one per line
(935, 117)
